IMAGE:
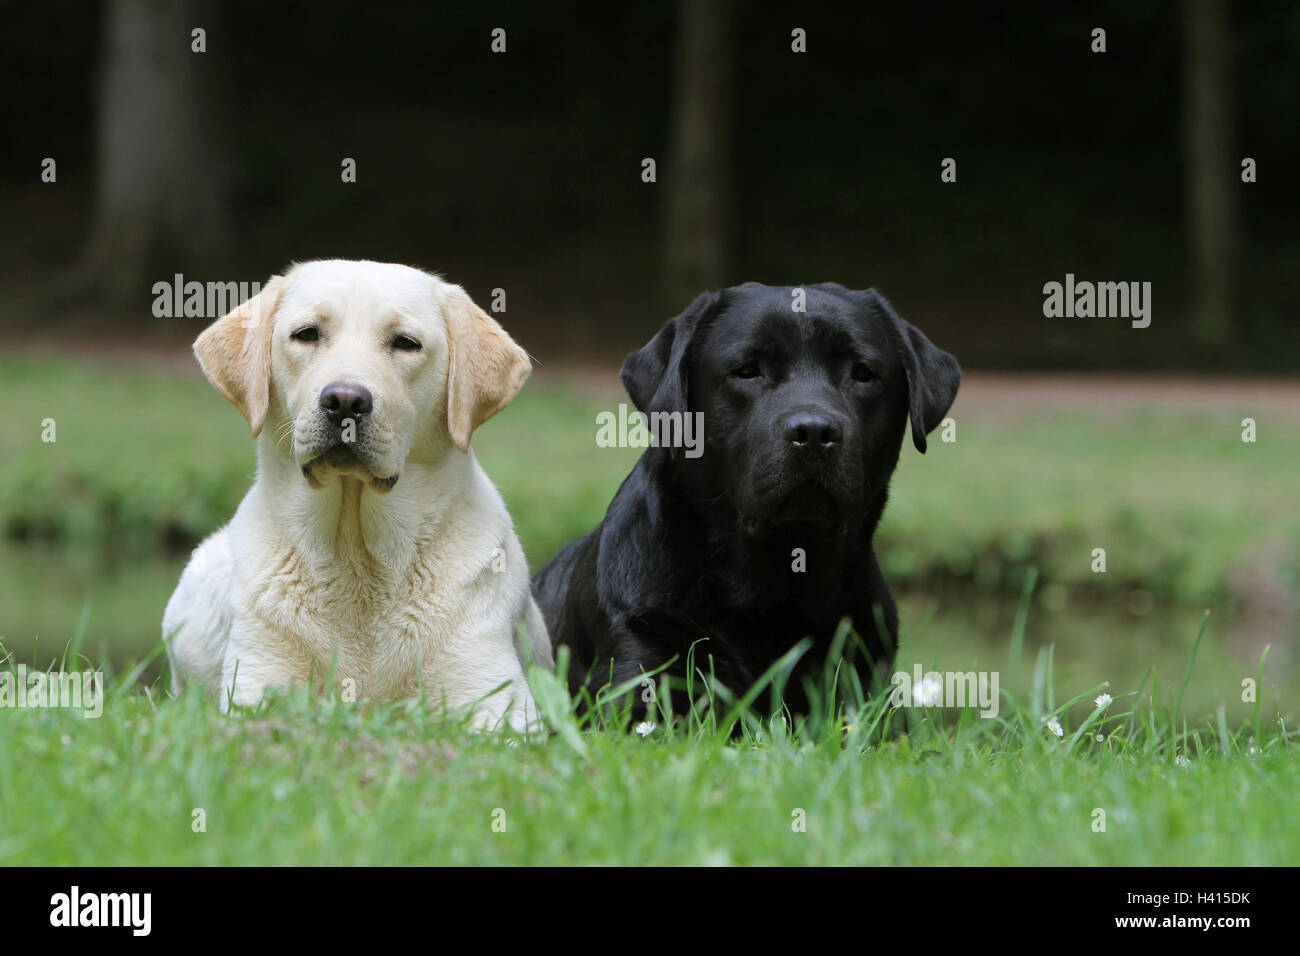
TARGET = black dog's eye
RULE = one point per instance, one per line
(308, 333)
(862, 373)
(748, 370)
(405, 343)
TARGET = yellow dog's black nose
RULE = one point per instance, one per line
(342, 401)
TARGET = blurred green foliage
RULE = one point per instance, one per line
(150, 461)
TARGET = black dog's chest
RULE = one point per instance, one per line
(739, 650)
(745, 643)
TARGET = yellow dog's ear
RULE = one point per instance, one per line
(235, 354)
(485, 368)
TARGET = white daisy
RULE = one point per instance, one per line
(928, 693)
(1103, 701)
(645, 728)
(1055, 727)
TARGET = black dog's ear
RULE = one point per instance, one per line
(655, 374)
(932, 374)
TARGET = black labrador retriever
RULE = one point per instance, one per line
(764, 537)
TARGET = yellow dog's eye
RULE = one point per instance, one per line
(308, 333)
(406, 344)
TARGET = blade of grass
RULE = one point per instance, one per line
(1178, 705)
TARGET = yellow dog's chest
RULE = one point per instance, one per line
(374, 633)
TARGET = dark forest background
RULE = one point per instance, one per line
(523, 170)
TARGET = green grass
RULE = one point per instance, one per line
(144, 457)
(313, 780)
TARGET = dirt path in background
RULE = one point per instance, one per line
(1004, 395)
(1014, 395)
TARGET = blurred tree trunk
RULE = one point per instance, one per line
(161, 188)
(698, 234)
(1212, 175)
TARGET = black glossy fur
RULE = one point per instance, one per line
(804, 416)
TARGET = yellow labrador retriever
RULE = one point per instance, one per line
(371, 547)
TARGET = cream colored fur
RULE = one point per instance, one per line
(327, 572)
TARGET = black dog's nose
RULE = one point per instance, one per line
(342, 401)
(813, 430)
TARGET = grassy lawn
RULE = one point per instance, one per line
(315, 781)
(149, 459)
(1178, 501)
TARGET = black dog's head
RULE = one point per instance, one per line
(805, 393)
